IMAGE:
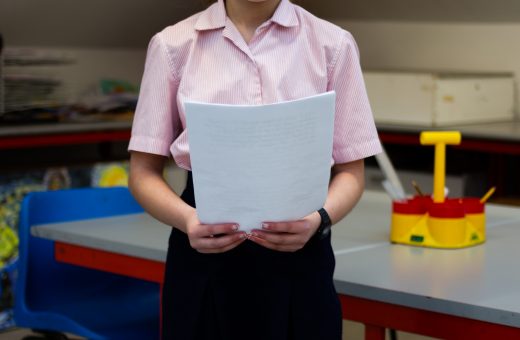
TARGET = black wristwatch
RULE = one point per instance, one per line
(325, 225)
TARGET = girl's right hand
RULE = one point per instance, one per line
(213, 238)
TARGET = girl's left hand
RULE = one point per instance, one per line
(287, 236)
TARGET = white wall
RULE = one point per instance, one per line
(438, 46)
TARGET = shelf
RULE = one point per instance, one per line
(30, 136)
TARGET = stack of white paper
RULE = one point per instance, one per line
(253, 164)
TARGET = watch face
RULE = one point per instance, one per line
(325, 232)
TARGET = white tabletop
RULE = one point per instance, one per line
(142, 236)
(137, 235)
(481, 282)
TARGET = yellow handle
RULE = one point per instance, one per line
(444, 137)
(439, 139)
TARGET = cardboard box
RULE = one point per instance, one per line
(439, 99)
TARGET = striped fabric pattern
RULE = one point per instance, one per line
(293, 55)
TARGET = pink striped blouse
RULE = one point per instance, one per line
(293, 55)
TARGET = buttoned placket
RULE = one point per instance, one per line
(233, 34)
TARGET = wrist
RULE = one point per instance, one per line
(315, 221)
(188, 215)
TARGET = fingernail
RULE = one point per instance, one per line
(265, 226)
(243, 236)
(254, 234)
(235, 227)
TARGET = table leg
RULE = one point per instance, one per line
(373, 332)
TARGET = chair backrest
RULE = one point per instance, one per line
(46, 290)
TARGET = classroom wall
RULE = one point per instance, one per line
(110, 38)
(487, 47)
(90, 66)
(417, 11)
(89, 24)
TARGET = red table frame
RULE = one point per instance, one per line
(56, 139)
(468, 143)
(375, 315)
(402, 138)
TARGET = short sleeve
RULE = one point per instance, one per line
(355, 134)
(156, 120)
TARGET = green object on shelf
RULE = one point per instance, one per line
(112, 86)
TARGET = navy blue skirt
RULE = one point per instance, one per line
(250, 292)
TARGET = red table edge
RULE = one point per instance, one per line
(469, 143)
(56, 139)
(376, 315)
(403, 138)
(130, 266)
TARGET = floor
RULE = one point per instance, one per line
(351, 331)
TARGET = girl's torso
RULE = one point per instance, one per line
(289, 57)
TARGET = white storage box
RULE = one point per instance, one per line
(437, 99)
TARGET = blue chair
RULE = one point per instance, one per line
(53, 296)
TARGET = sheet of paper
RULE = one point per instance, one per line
(253, 164)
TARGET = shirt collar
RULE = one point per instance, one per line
(285, 14)
(215, 16)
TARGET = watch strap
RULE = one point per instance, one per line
(325, 224)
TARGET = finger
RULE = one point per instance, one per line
(272, 246)
(206, 230)
(208, 243)
(279, 238)
(293, 227)
(225, 249)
